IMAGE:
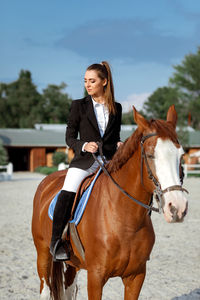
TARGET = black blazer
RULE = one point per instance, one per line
(82, 127)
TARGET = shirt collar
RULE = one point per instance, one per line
(95, 104)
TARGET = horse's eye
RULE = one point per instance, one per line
(150, 156)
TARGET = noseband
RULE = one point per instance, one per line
(158, 192)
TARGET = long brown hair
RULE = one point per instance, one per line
(104, 72)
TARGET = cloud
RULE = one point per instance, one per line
(30, 42)
(134, 99)
(186, 10)
(135, 39)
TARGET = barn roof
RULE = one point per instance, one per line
(32, 138)
(194, 139)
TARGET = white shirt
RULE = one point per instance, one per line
(102, 115)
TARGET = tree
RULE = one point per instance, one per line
(187, 80)
(157, 105)
(56, 104)
(20, 103)
(127, 118)
(183, 91)
(3, 107)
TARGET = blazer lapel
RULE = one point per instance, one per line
(110, 123)
(91, 114)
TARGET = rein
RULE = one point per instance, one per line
(148, 207)
(158, 192)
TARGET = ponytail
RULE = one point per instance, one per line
(104, 72)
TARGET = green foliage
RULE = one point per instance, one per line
(56, 104)
(127, 118)
(183, 136)
(21, 105)
(3, 155)
(59, 157)
(194, 109)
(187, 75)
(187, 80)
(184, 92)
(45, 170)
(193, 175)
(157, 105)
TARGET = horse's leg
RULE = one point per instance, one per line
(43, 268)
(133, 285)
(71, 287)
(95, 285)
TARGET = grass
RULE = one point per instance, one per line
(46, 170)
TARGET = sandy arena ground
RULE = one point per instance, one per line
(173, 273)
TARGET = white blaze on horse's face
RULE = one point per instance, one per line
(167, 162)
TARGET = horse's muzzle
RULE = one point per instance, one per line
(175, 209)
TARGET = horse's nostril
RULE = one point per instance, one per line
(172, 208)
(173, 211)
(184, 213)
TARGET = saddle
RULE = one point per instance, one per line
(82, 188)
(77, 212)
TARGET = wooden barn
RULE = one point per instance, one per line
(30, 148)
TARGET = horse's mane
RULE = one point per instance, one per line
(125, 151)
(164, 129)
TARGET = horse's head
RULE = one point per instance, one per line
(161, 153)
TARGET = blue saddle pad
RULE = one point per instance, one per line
(81, 205)
(52, 206)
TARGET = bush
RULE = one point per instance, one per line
(59, 157)
(46, 170)
(3, 155)
(193, 175)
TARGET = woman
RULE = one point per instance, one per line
(96, 118)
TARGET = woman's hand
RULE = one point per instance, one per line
(119, 144)
(91, 147)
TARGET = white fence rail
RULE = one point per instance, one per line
(6, 172)
(191, 169)
(62, 166)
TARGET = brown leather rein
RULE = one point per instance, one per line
(158, 192)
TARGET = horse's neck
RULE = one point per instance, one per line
(120, 206)
(129, 178)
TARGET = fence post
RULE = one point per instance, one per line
(10, 170)
(185, 170)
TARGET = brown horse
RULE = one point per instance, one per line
(116, 232)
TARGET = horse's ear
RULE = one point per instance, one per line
(139, 119)
(172, 115)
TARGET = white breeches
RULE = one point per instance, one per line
(75, 176)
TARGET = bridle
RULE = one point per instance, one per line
(158, 192)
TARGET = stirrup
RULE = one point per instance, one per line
(59, 251)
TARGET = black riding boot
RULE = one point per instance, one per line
(61, 216)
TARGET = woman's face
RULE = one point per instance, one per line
(93, 84)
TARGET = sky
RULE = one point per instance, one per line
(57, 40)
